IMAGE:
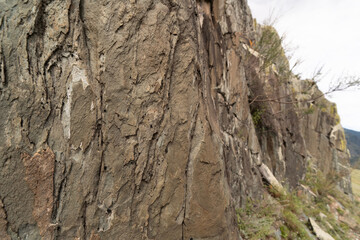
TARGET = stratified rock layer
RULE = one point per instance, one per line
(131, 120)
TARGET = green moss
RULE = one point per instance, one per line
(337, 118)
(342, 146)
(333, 112)
(333, 109)
(309, 110)
(329, 108)
(324, 109)
(322, 105)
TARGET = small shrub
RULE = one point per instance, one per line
(270, 47)
(289, 200)
(256, 220)
(257, 116)
(294, 224)
(320, 183)
(285, 232)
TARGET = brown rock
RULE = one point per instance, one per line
(3, 223)
(147, 112)
(39, 176)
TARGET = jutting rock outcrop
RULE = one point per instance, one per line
(137, 120)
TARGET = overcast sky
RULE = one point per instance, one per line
(325, 33)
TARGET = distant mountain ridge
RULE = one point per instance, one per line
(353, 144)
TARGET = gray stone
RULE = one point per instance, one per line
(270, 178)
(321, 234)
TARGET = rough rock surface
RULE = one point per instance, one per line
(131, 120)
(270, 178)
(324, 135)
(321, 234)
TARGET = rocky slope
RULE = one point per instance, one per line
(147, 119)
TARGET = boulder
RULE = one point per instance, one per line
(321, 234)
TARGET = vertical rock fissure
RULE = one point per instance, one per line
(189, 168)
(3, 77)
(101, 138)
(84, 207)
(174, 39)
(35, 41)
(57, 199)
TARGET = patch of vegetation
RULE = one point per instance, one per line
(321, 184)
(257, 116)
(327, 193)
(293, 207)
(355, 181)
(255, 221)
(288, 211)
(295, 226)
(309, 110)
(269, 46)
(285, 232)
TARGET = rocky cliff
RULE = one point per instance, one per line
(147, 119)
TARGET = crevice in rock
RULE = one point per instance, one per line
(35, 40)
(189, 167)
(83, 218)
(3, 72)
(101, 144)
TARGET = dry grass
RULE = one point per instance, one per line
(355, 179)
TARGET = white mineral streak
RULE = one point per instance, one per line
(78, 76)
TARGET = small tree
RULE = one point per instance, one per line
(274, 58)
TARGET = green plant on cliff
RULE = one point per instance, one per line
(292, 208)
(325, 188)
(320, 183)
(256, 116)
(274, 58)
(256, 219)
(273, 63)
(270, 46)
(309, 110)
(260, 219)
(296, 227)
(287, 211)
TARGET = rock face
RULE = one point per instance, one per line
(136, 120)
(325, 137)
